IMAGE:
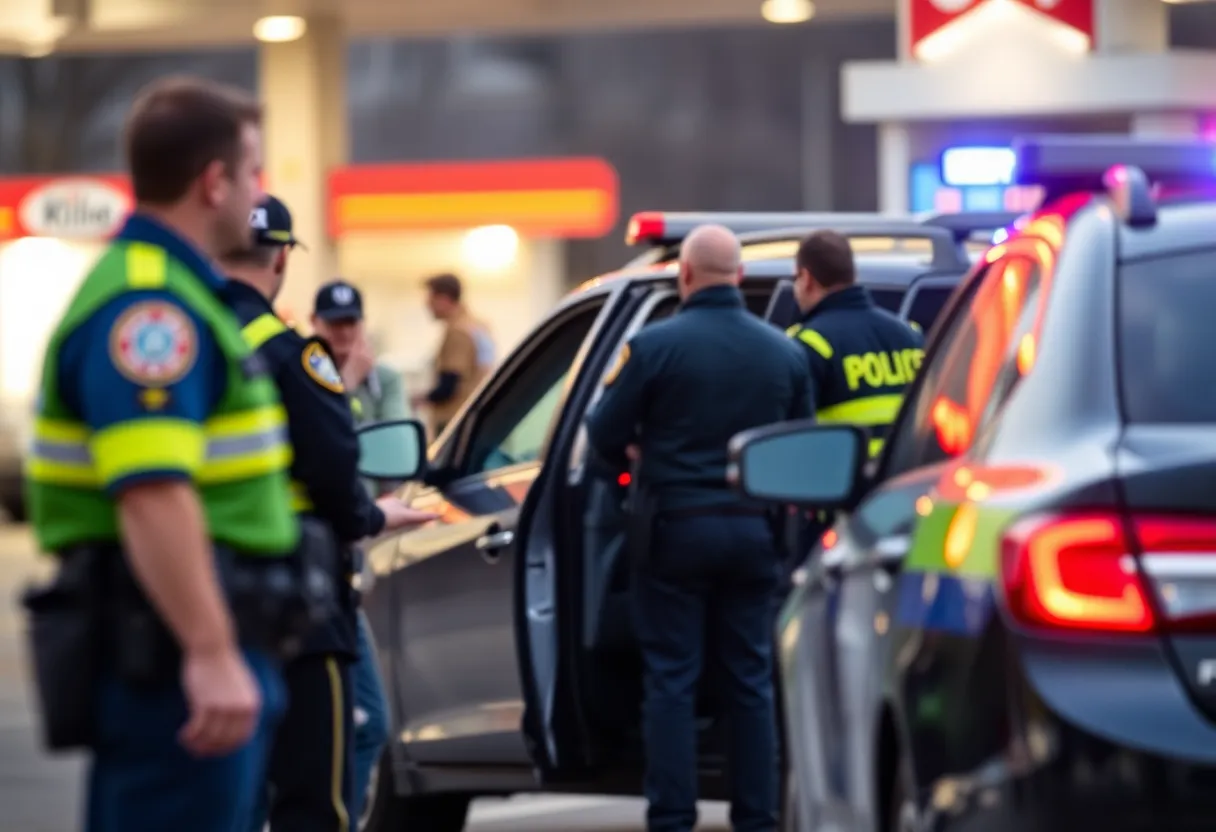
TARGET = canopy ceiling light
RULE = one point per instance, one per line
(280, 28)
(787, 11)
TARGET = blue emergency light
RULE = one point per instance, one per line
(1123, 166)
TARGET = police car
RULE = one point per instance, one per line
(1012, 624)
(503, 630)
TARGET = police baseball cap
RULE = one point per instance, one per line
(271, 223)
(338, 301)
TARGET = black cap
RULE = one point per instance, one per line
(271, 223)
(337, 301)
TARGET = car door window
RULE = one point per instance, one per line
(927, 304)
(513, 426)
(970, 363)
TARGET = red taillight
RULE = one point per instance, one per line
(624, 479)
(1075, 572)
(1084, 572)
(645, 227)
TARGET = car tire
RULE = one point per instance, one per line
(387, 811)
(904, 814)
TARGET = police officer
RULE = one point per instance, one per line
(157, 447)
(678, 393)
(310, 774)
(861, 356)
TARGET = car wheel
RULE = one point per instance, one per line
(386, 811)
(790, 822)
(904, 815)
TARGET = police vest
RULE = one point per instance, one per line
(240, 456)
(867, 390)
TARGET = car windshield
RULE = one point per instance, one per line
(1166, 338)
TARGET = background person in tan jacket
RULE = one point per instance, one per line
(465, 355)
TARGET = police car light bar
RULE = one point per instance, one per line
(1081, 162)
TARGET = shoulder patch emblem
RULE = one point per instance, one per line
(320, 368)
(614, 371)
(154, 343)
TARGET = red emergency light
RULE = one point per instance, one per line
(645, 226)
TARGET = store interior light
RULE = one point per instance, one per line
(280, 28)
(787, 11)
(490, 248)
(963, 167)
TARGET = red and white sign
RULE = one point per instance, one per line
(77, 208)
(929, 17)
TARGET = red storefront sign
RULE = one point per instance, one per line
(928, 17)
(70, 207)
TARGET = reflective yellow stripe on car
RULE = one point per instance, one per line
(231, 447)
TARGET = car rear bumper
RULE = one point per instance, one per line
(1059, 778)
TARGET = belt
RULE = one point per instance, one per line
(713, 511)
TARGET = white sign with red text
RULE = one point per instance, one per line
(77, 208)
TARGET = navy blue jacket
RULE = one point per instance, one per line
(684, 386)
(325, 448)
(861, 358)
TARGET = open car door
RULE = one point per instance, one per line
(782, 311)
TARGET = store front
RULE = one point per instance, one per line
(51, 231)
(972, 75)
(499, 225)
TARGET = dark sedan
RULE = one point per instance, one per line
(1012, 624)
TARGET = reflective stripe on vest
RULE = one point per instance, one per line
(815, 341)
(234, 446)
(261, 329)
(300, 501)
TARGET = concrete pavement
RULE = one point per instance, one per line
(42, 794)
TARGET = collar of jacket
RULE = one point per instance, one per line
(714, 296)
(854, 297)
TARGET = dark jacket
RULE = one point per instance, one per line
(324, 446)
(861, 359)
(684, 386)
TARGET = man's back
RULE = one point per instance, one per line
(707, 373)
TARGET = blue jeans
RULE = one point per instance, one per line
(711, 583)
(371, 715)
(143, 780)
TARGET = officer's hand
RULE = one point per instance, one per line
(224, 702)
(397, 515)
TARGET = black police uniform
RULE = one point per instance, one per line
(681, 389)
(311, 766)
(862, 358)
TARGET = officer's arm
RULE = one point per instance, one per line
(324, 445)
(613, 423)
(148, 446)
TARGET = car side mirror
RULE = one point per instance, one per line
(800, 463)
(393, 450)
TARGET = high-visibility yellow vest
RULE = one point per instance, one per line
(239, 457)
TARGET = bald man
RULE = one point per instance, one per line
(679, 391)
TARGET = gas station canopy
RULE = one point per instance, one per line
(35, 27)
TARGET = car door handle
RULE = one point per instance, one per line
(490, 544)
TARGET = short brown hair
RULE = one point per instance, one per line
(447, 285)
(829, 258)
(177, 127)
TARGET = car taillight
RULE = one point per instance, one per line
(1074, 572)
(1083, 572)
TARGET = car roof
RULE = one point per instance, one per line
(1182, 225)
